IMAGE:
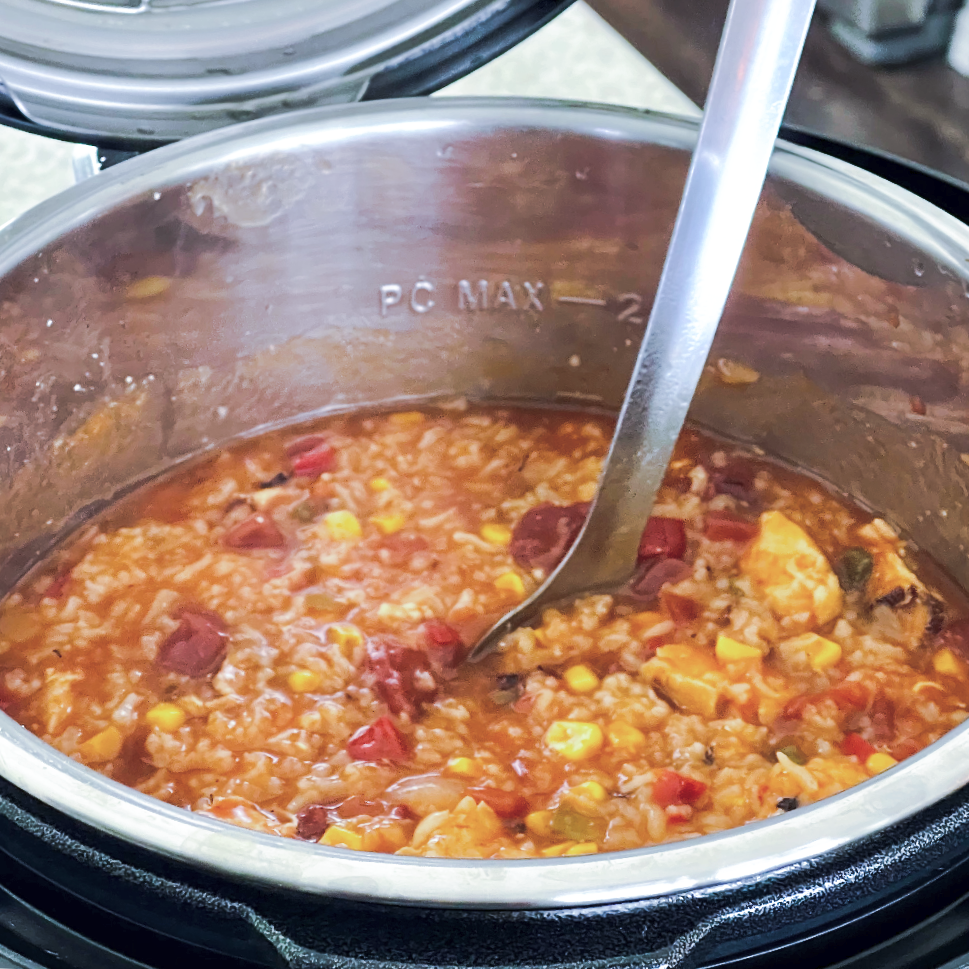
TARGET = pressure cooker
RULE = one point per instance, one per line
(327, 260)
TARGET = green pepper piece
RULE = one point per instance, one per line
(854, 569)
(570, 825)
(793, 754)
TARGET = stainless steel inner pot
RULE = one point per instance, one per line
(489, 250)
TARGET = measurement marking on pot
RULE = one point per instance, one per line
(484, 295)
(581, 301)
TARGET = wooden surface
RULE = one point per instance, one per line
(919, 111)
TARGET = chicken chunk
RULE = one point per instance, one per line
(791, 571)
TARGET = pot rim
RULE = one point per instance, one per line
(740, 853)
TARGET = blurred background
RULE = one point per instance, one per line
(882, 74)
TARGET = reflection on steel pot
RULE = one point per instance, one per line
(494, 250)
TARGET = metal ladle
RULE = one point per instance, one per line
(758, 56)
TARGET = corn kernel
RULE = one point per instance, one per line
(166, 716)
(592, 790)
(337, 837)
(624, 736)
(821, 653)
(539, 823)
(463, 767)
(511, 582)
(556, 851)
(103, 746)
(641, 621)
(389, 524)
(496, 534)
(342, 526)
(948, 664)
(407, 418)
(580, 679)
(583, 848)
(304, 681)
(379, 484)
(878, 762)
(148, 287)
(730, 651)
(345, 634)
(574, 739)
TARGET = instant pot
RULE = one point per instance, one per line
(354, 256)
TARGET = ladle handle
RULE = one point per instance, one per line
(752, 78)
(756, 62)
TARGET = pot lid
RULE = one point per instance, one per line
(139, 73)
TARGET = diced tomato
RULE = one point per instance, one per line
(545, 533)
(654, 575)
(56, 589)
(257, 531)
(380, 741)
(794, 708)
(197, 647)
(849, 695)
(681, 609)
(905, 748)
(881, 713)
(721, 526)
(401, 675)
(403, 546)
(846, 696)
(316, 461)
(356, 806)
(504, 803)
(443, 644)
(955, 636)
(672, 788)
(736, 480)
(854, 745)
(663, 537)
(313, 820)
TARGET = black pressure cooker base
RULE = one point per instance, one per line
(72, 897)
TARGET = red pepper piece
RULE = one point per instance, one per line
(380, 741)
(257, 531)
(401, 675)
(721, 526)
(854, 745)
(663, 537)
(313, 463)
(403, 546)
(303, 444)
(197, 648)
(545, 533)
(672, 788)
(504, 803)
(443, 644)
(955, 636)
